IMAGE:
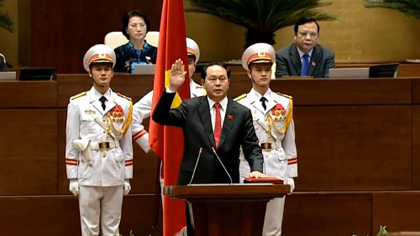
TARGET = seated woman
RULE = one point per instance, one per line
(135, 26)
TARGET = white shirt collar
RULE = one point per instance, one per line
(98, 95)
(223, 103)
(302, 53)
(258, 96)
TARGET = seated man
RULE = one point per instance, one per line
(3, 64)
(305, 57)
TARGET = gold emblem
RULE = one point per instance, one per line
(261, 54)
(102, 55)
(90, 112)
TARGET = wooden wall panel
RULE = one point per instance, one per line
(59, 215)
(345, 91)
(351, 147)
(333, 91)
(416, 147)
(28, 151)
(416, 90)
(399, 211)
(327, 215)
(68, 29)
(63, 182)
(28, 94)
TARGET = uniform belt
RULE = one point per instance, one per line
(267, 146)
(103, 145)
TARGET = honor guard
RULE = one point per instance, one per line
(143, 107)
(273, 121)
(99, 151)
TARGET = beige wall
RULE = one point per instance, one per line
(24, 37)
(361, 35)
(8, 41)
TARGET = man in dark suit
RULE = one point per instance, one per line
(215, 127)
(305, 57)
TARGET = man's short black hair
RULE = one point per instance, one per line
(127, 18)
(303, 21)
(204, 71)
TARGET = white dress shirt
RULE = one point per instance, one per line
(223, 107)
(302, 53)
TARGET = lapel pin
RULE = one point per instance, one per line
(313, 63)
(230, 117)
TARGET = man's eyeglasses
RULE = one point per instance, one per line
(304, 34)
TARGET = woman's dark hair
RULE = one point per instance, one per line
(204, 71)
(127, 18)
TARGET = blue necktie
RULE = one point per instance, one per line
(305, 65)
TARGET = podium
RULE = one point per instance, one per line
(228, 209)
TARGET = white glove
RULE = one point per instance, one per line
(290, 182)
(127, 186)
(74, 187)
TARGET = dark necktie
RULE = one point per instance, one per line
(217, 125)
(103, 100)
(263, 100)
(305, 65)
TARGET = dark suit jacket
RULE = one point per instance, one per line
(193, 115)
(288, 61)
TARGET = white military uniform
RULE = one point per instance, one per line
(99, 154)
(274, 127)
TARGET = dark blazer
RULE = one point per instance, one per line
(288, 61)
(193, 115)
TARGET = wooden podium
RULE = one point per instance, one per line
(228, 210)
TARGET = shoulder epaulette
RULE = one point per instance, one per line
(78, 95)
(123, 96)
(285, 95)
(240, 97)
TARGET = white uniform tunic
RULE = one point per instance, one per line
(275, 129)
(101, 174)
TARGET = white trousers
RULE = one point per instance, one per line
(100, 204)
(274, 217)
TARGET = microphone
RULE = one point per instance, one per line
(218, 158)
(196, 164)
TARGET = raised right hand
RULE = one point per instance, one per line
(177, 77)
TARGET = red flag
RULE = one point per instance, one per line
(168, 142)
